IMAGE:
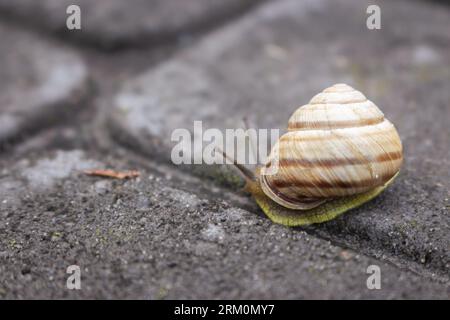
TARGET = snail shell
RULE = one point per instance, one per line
(338, 145)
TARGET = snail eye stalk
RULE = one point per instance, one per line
(245, 172)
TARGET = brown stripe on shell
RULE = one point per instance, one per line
(335, 124)
(389, 156)
(278, 183)
(299, 199)
(339, 102)
(328, 137)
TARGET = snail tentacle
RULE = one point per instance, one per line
(247, 174)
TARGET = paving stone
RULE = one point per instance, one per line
(153, 238)
(115, 23)
(275, 59)
(40, 82)
(37, 177)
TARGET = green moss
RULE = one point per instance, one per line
(56, 234)
(414, 223)
(12, 243)
(162, 293)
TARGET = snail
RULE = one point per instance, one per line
(338, 153)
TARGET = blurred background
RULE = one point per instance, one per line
(111, 93)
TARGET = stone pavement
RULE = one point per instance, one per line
(112, 24)
(40, 82)
(68, 105)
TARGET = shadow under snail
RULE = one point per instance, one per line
(339, 152)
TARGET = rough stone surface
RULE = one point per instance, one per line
(152, 238)
(173, 234)
(277, 58)
(40, 82)
(117, 23)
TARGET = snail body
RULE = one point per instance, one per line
(339, 152)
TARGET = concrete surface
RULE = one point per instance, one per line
(40, 83)
(152, 238)
(191, 232)
(215, 82)
(115, 24)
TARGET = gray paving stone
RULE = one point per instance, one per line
(39, 83)
(116, 23)
(153, 238)
(275, 59)
(37, 177)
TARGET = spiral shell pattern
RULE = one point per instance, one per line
(339, 144)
